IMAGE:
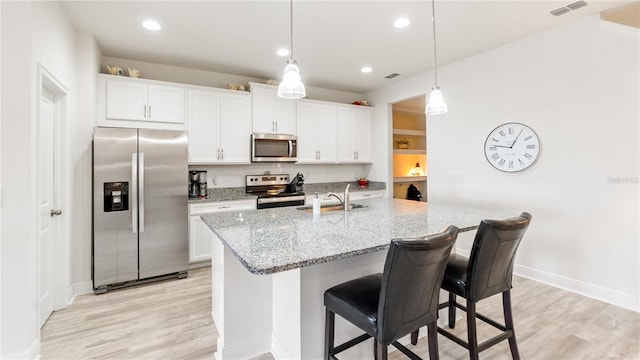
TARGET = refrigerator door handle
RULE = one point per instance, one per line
(141, 191)
(134, 193)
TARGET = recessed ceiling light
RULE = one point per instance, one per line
(151, 25)
(282, 52)
(366, 69)
(401, 23)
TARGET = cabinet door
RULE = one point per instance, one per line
(285, 116)
(235, 131)
(362, 135)
(346, 125)
(166, 104)
(126, 101)
(307, 132)
(200, 240)
(204, 127)
(264, 108)
(327, 131)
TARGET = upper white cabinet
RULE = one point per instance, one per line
(130, 102)
(219, 125)
(317, 132)
(354, 134)
(271, 114)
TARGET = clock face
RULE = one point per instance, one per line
(512, 147)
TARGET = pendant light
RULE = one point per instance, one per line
(291, 87)
(435, 104)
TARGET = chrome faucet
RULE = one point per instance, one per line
(345, 201)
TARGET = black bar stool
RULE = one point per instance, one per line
(488, 271)
(391, 305)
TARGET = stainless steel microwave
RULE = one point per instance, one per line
(274, 148)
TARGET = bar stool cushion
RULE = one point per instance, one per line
(357, 301)
(455, 276)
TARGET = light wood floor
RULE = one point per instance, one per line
(171, 320)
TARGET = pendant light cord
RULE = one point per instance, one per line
(291, 26)
(435, 57)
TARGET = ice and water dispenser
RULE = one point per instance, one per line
(116, 196)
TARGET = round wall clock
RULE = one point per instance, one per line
(512, 147)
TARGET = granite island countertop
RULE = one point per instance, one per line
(273, 240)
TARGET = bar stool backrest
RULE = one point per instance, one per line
(490, 268)
(411, 282)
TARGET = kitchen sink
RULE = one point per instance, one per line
(330, 207)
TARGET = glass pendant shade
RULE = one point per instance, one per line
(436, 104)
(291, 87)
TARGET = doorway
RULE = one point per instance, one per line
(51, 194)
(410, 149)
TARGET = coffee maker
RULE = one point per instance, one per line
(197, 184)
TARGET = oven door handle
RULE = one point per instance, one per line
(279, 199)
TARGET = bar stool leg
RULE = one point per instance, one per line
(329, 325)
(381, 353)
(452, 310)
(432, 336)
(508, 321)
(471, 330)
(414, 337)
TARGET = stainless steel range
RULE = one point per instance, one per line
(276, 190)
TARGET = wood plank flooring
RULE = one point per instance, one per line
(171, 320)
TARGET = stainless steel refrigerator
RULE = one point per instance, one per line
(139, 206)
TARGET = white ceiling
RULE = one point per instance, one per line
(333, 39)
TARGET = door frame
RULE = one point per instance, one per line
(62, 188)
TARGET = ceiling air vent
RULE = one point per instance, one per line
(577, 5)
(391, 76)
(565, 9)
(559, 11)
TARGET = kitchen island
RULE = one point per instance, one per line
(271, 268)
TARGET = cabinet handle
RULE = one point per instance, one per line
(218, 154)
(221, 154)
(319, 155)
(145, 111)
(357, 155)
(276, 126)
(149, 112)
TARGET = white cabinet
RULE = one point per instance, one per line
(354, 134)
(219, 127)
(271, 114)
(131, 102)
(200, 236)
(317, 132)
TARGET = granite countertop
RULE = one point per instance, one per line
(223, 194)
(239, 193)
(273, 240)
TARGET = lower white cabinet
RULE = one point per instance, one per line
(200, 236)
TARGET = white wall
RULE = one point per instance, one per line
(88, 58)
(234, 176)
(577, 86)
(214, 79)
(34, 33)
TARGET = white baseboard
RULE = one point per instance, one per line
(610, 296)
(246, 350)
(33, 352)
(80, 288)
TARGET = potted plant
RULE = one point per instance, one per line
(402, 143)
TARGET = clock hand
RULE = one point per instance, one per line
(516, 139)
(508, 147)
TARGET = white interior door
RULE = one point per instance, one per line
(46, 233)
